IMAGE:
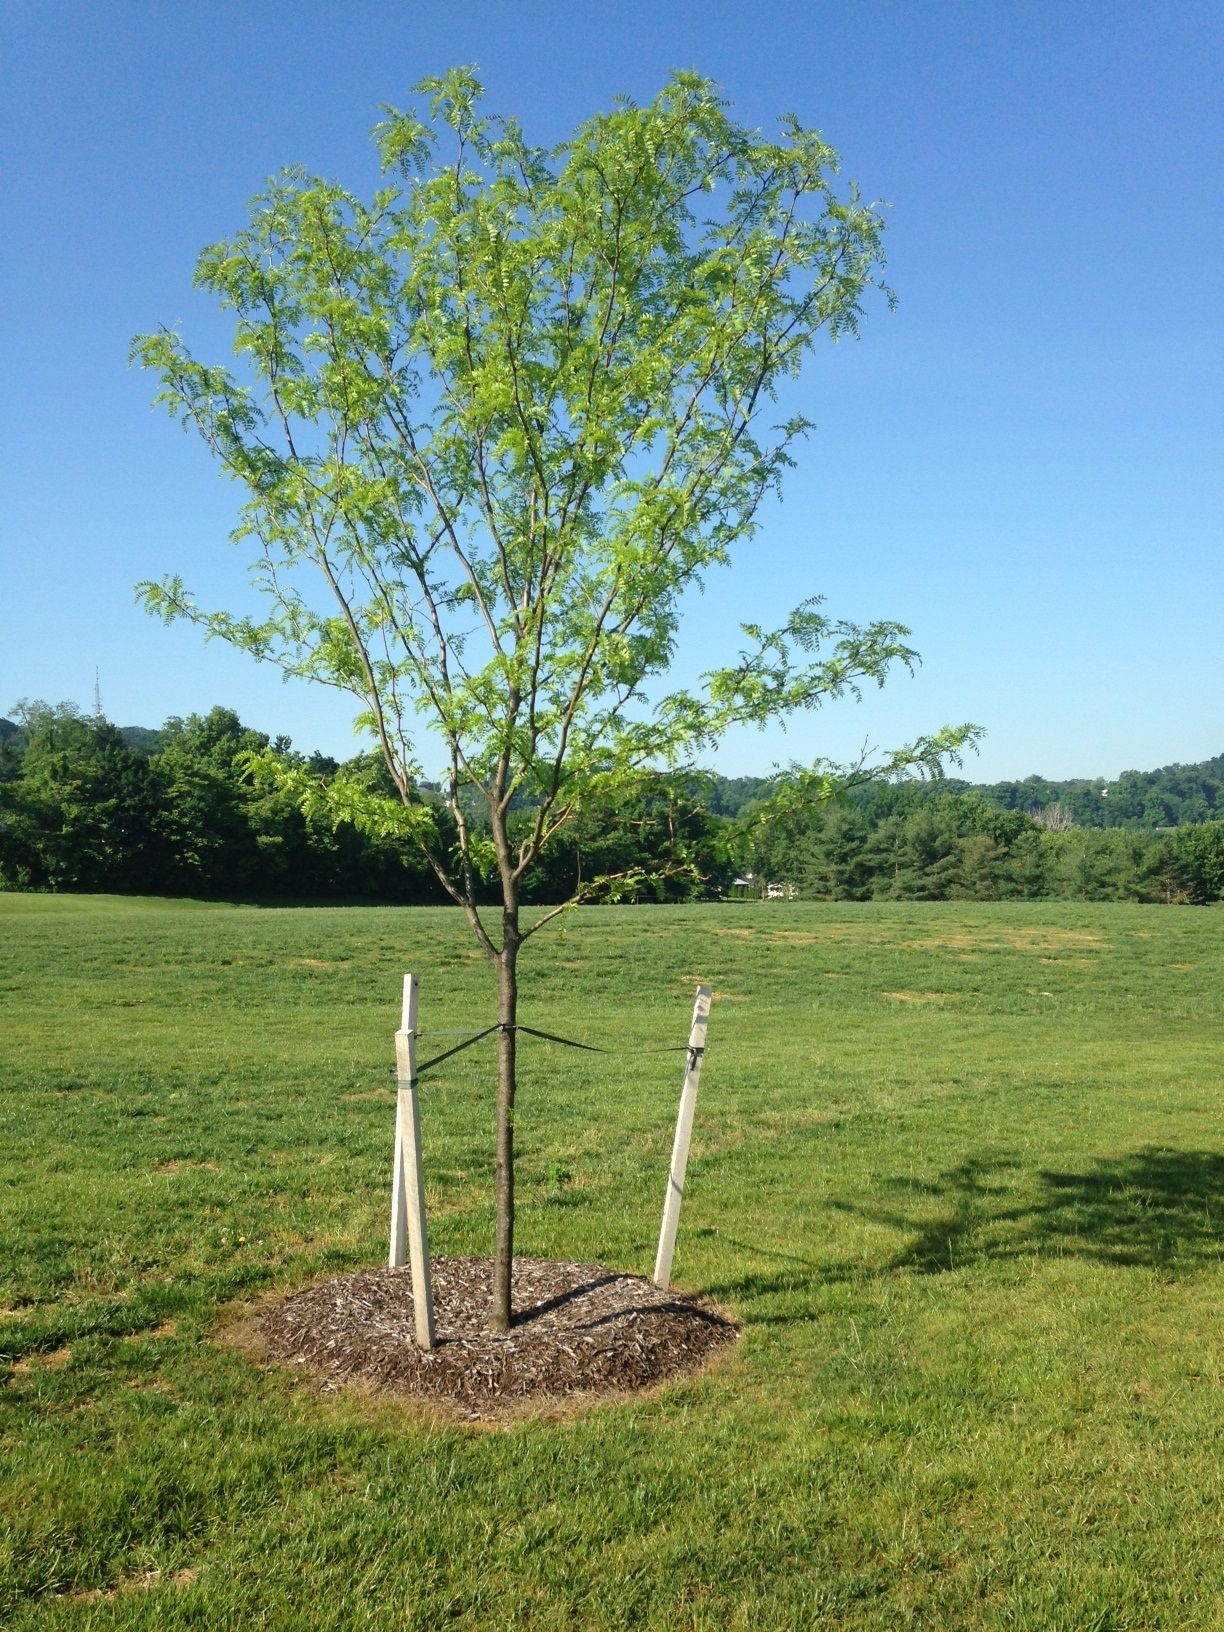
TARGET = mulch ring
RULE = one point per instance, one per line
(578, 1330)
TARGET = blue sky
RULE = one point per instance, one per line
(1023, 462)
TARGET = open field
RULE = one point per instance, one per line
(959, 1172)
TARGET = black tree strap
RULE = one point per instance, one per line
(592, 1048)
(547, 1036)
(458, 1049)
(568, 1042)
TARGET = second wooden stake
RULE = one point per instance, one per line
(409, 1236)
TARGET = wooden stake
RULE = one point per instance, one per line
(409, 1236)
(398, 1255)
(684, 1133)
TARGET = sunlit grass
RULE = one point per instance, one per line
(959, 1171)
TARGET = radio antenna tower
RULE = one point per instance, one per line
(97, 696)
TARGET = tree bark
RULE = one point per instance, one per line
(507, 1016)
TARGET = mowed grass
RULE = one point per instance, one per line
(958, 1171)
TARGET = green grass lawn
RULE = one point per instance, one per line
(958, 1171)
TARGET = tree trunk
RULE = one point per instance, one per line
(507, 1015)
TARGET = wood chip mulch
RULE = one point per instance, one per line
(578, 1330)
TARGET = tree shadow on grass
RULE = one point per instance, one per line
(1157, 1208)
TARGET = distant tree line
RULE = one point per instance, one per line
(923, 843)
(86, 805)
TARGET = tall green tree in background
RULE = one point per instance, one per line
(492, 424)
(79, 811)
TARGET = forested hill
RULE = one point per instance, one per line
(1173, 796)
(1170, 797)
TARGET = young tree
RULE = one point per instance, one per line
(506, 413)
